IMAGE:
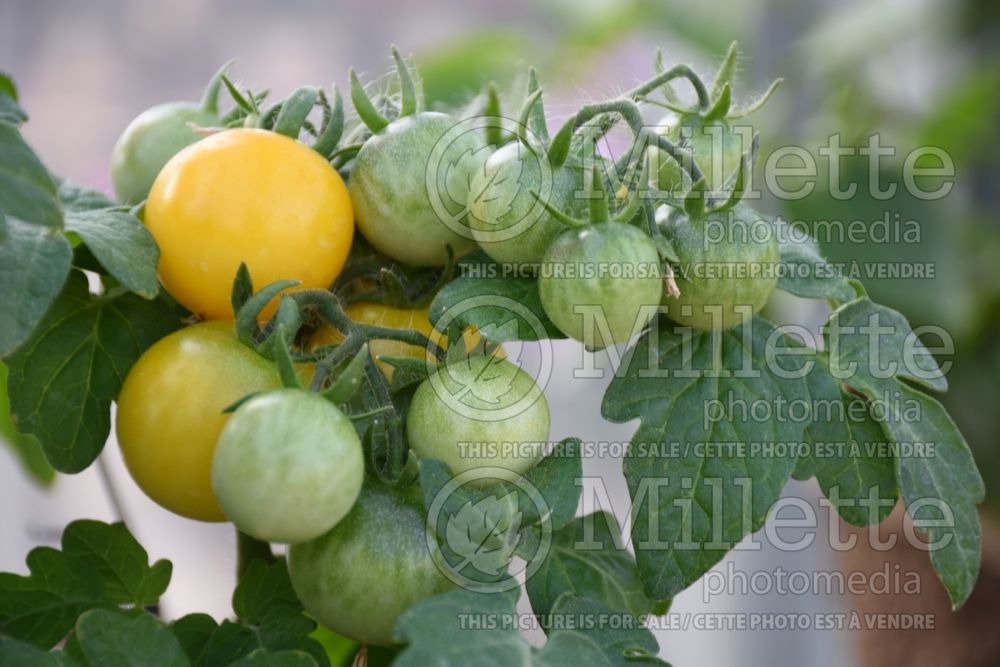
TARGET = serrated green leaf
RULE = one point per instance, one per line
(557, 478)
(207, 643)
(262, 589)
(689, 500)
(63, 379)
(454, 629)
(34, 262)
(871, 345)
(122, 245)
(849, 452)
(501, 307)
(872, 349)
(76, 198)
(193, 632)
(588, 558)
(113, 639)
(27, 448)
(113, 554)
(264, 598)
(100, 565)
(27, 191)
(950, 480)
(804, 270)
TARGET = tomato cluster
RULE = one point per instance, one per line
(214, 422)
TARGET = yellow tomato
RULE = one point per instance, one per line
(253, 196)
(170, 412)
(377, 314)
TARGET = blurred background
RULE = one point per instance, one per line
(919, 72)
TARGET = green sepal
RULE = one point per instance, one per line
(294, 111)
(364, 106)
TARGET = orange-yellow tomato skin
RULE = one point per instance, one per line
(170, 412)
(247, 195)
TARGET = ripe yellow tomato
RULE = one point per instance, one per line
(170, 412)
(380, 315)
(253, 196)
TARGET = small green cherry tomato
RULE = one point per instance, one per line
(392, 205)
(148, 143)
(480, 412)
(728, 268)
(509, 222)
(601, 284)
(288, 466)
(359, 577)
(717, 147)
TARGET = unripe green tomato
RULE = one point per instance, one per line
(288, 466)
(388, 186)
(479, 412)
(717, 148)
(148, 143)
(509, 223)
(375, 564)
(728, 270)
(610, 270)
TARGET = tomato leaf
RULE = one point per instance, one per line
(76, 198)
(27, 191)
(588, 558)
(502, 307)
(264, 658)
(111, 637)
(25, 446)
(804, 270)
(687, 480)
(10, 110)
(451, 630)
(34, 263)
(557, 478)
(100, 565)
(890, 366)
(63, 379)
(122, 245)
(13, 652)
(850, 458)
(271, 625)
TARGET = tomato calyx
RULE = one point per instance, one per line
(409, 102)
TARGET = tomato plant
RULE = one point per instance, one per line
(170, 413)
(359, 577)
(481, 412)
(320, 405)
(392, 200)
(287, 466)
(247, 196)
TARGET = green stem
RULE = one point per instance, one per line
(683, 157)
(675, 72)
